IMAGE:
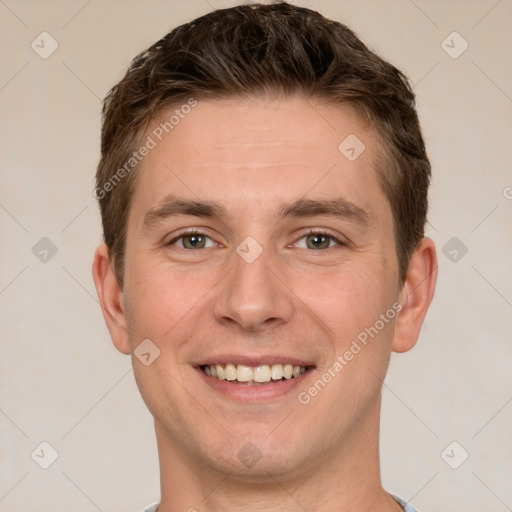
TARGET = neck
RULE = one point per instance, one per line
(345, 478)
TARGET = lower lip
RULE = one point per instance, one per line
(257, 392)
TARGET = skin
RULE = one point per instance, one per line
(250, 156)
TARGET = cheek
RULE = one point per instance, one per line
(344, 297)
(154, 301)
(165, 303)
(350, 302)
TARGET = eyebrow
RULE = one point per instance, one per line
(339, 207)
(172, 206)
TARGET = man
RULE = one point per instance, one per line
(263, 190)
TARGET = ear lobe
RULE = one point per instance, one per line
(111, 298)
(416, 295)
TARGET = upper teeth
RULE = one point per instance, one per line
(244, 373)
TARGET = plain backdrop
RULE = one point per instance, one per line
(61, 380)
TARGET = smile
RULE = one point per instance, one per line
(253, 375)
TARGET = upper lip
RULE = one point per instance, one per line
(253, 360)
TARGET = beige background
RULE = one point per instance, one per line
(62, 381)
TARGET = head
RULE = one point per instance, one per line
(263, 50)
(249, 125)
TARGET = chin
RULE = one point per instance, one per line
(257, 459)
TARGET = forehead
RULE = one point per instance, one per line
(257, 151)
(231, 129)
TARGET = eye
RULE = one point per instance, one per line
(195, 239)
(318, 240)
(192, 239)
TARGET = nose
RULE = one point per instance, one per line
(254, 296)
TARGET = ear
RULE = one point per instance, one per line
(111, 298)
(416, 295)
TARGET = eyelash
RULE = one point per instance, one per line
(311, 231)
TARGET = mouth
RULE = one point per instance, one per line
(259, 375)
(252, 379)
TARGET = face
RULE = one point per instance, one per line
(254, 243)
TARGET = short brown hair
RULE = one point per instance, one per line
(266, 49)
